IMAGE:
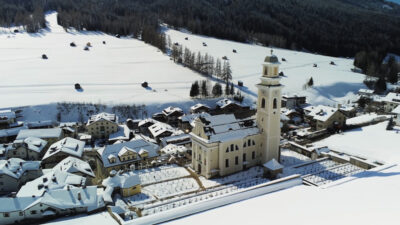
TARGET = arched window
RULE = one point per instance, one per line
(232, 147)
(254, 143)
(227, 149)
(244, 144)
(237, 148)
(275, 103)
(249, 142)
(263, 103)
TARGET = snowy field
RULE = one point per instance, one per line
(332, 83)
(111, 73)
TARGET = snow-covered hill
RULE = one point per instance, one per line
(332, 83)
(111, 73)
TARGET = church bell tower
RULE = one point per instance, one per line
(269, 108)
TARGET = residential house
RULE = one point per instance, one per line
(61, 150)
(324, 117)
(186, 122)
(123, 155)
(100, 126)
(126, 184)
(199, 108)
(390, 101)
(133, 125)
(365, 92)
(161, 130)
(223, 144)
(30, 148)
(7, 118)
(15, 172)
(171, 115)
(145, 124)
(226, 106)
(123, 134)
(50, 135)
(9, 135)
(75, 166)
(180, 139)
(42, 124)
(293, 102)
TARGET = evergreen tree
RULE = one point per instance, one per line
(217, 90)
(218, 69)
(232, 90)
(310, 82)
(380, 85)
(195, 89)
(227, 90)
(204, 88)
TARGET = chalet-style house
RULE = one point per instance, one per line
(7, 118)
(227, 106)
(100, 126)
(186, 122)
(223, 144)
(126, 184)
(161, 130)
(390, 101)
(61, 150)
(324, 117)
(199, 108)
(30, 148)
(171, 115)
(50, 135)
(145, 124)
(293, 102)
(180, 140)
(123, 155)
(16, 172)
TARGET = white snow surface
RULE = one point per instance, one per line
(112, 73)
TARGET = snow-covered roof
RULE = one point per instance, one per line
(172, 149)
(366, 118)
(225, 102)
(181, 139)
(365, 91)
(74, 165)
(273, 165)
(121, 134)
(103, 116)
(148, 120)
(136, 145)
(225, 127)
(11, 131)
(35, 144)
(392, 98)
(40, 133)
(272, 59)
(320, 112)
(53, 180)
(159, 128)
(125, 150)
(197, 106)
(73, 198)
(67, 145)
(191, 118)
(122, 180)
(170, 110)
(396, 110)
(16, 167)
(7, 115)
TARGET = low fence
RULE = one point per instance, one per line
(194, 208)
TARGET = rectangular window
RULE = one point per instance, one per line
(232, 148)
(6, 214)
(244, 157)
(226, 163)
(236, 160)
(253, 155)
(33, 212)
(199, 156)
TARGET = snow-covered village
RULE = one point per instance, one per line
(187, 126)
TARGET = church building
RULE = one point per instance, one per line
(222, 144)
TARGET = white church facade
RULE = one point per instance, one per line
(222, 144)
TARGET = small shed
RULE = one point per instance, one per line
(272, 168)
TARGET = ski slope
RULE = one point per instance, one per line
(112, 73)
